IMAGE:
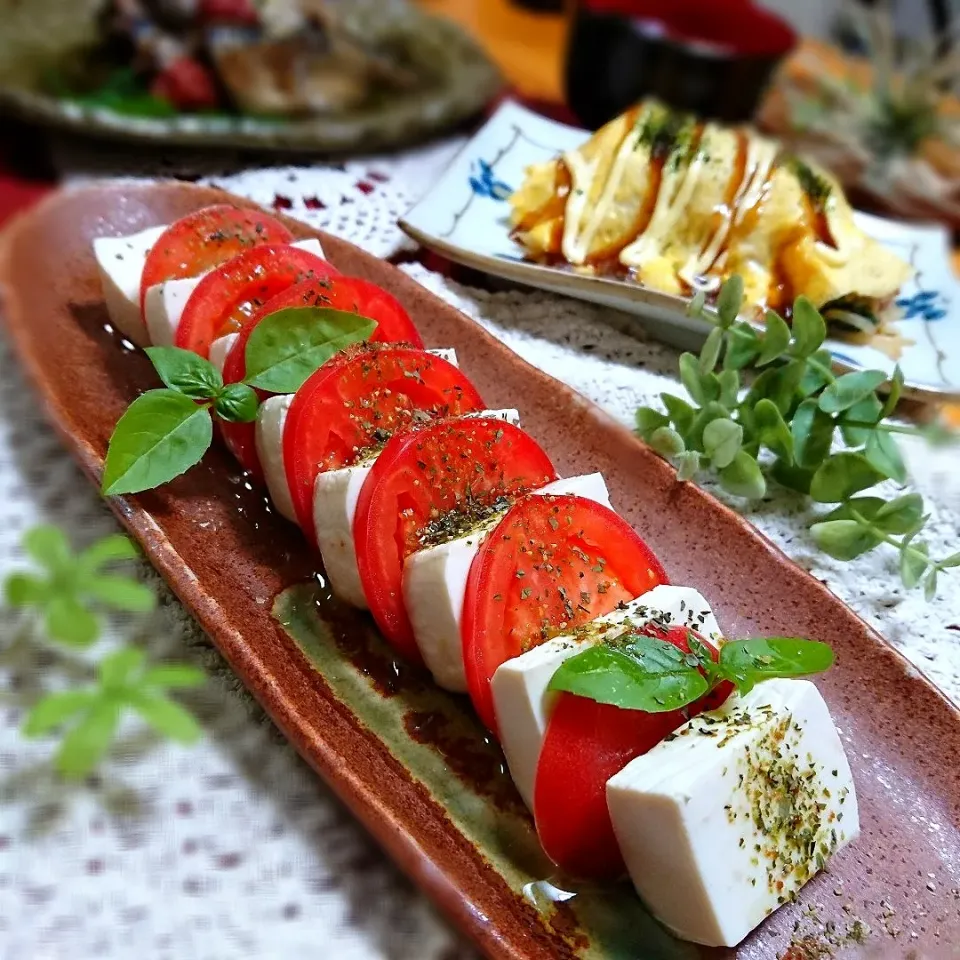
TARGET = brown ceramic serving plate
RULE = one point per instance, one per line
(411, 761)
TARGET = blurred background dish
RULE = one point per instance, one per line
(279, 74)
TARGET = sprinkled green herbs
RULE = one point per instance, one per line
(470, 515)
(814, 185)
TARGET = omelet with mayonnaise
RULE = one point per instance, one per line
(678, 205)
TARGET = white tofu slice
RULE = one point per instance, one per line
(271, 419)
(164, 302)
(335, 496)
(220, 348)
(520, 696)
(120, 261)
(700, 815)
(435, 581)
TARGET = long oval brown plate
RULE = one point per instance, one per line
(409, 760)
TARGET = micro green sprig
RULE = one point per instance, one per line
(796, 408)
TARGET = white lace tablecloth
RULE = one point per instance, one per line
(234, 848)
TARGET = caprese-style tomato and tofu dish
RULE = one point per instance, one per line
(644, 741)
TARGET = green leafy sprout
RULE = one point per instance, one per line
(796, 408)
(166, 431)
(66, 593)
(643, 672)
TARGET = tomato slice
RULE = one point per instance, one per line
(586, 743)
(341, 293)
(227, 296)
(206, 238)
(551, 565)
(467, 465)
(357, 401)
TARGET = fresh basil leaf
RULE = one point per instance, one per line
(777, 384)
(710, 352)
(868, 411)
(697, 303)
(743, 347)
(812, 431)
(691, 378)
(776, 339)
(186, 372)
(952, 561)
(649, 420)
(747, 662)
(712, 411)
(666, 441)
(681, 413)
(687, 464)
(25, 589)
(237, 403)
(841, 476)
(809, 330)
(729, 300)
(844, 539)
(930, 585)
(117, 668)
(721, 441)
(169, 676)
(646, 674)
(773, 431)
(817, 373)
(162, 434)
(792, 477)
(54, 709)
(111, 548)
(165, 716)
(896, 391)
(67, 620)
(850, 389)
(48, 546)
(286, 347)
(85, 745)
(729, 381)
(914, 561)
(884, 454)
(894, 516)
(742, 477)
(121, 593)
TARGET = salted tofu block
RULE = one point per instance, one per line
(335, 497)
(120, 261)
(435, 581)
(271, 419)
(520, 696)
(728, 818)
(220, 348)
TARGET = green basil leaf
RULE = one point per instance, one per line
(792, 477)
(914, 561)
(776, 339)
(729, 300)
(117, 669)
(68, 621)
(286, 347)
(687, 464)
(809, 330)
(237, 403)
(647, 674)
(186, 372)
(165, 716)
(649, 420)
(742, 477)
(121, 593)
(697, 303)
(850, 389)
(812, 431)
(747, 662)
(778, 384)
(48, 546)
(930, 585)
(116, 546)
(842, 475)
(710, 353)
(729, 381)
(169, 676)
(883, 453)
(666, 441)
(712, 411)
(844, 539)
(721, 441)
(896, 391)
(691, 378)
(868, 411)
(952, 561)
(743, 347)
(25, 589)
(54, 709)
(84, 746)
(817, 373)
(162, 434)
(681, 413)
(901, 515)
(773, 431)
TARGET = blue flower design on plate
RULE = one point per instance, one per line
(484, 183)
(924, 304)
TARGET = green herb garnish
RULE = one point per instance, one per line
(789, 419)
(640, 672)
(816, 187)
(164, 432)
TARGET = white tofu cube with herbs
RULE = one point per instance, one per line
(734, 812)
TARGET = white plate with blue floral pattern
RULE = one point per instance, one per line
(465, 217)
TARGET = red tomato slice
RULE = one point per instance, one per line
(340, 293)
(358, 400)
(551, 565)
(227, 297)
(206, 238)
(586, 743)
